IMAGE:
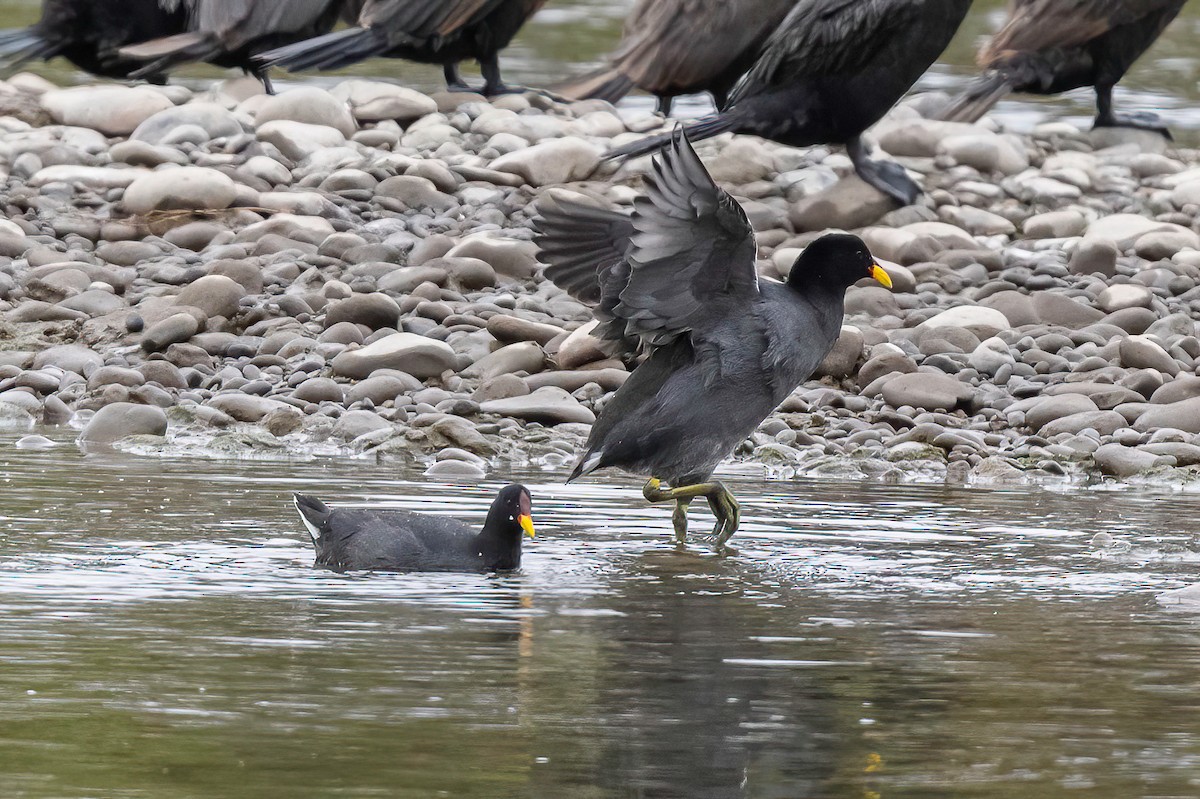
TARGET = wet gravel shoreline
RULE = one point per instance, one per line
(350, 272)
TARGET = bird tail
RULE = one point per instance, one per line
(978, 98)
(167, 51)
(314, 513)
(19, 45)
(587, 464)
(331, 51)
(607, 83)
(701, 129)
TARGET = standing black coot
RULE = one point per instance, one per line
(674, 47)
(88, 33)
(1052, 46)
(228, 32)
(353, 539)
(427, 31)
(831, 70)
(678, 277)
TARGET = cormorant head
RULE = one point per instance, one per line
(835, 261)
(512, 510)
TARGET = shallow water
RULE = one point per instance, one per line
(568, 37)
(164, 635)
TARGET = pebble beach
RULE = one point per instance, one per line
(350, 272)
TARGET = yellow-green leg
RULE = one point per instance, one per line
(724, 507)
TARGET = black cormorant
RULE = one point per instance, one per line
(88, 33)
(228, 32)
(831, 70)
(678, 278)
(674, 47)
(1052, 46)
(428, 31)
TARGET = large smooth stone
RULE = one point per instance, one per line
(548, 405)
(417, 355)
(112, 110)
(122, 419)
(184, 187)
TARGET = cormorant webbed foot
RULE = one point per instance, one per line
(1139, 120)
(887, 176)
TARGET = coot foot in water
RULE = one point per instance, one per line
(362, 539)
(887, 176)
(720, 501)
(677, 278)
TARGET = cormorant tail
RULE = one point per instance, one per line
(164, 53)
(607, 83)
(701, 129)
(331, 51)
(19, 45)
(978, 98)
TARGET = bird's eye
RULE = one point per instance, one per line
(512, 518)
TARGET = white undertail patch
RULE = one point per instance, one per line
(591, 462)
(313, 532)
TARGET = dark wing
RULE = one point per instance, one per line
(582, 246)
(423, 19)
(826, 37)
(673, 43)
(584, 249)
(682, 259)
(1035, 25)
(692, 251)
(237, 22)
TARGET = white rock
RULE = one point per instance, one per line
(555, 161)
(1124, 295)
(100, 177)
(417, 355)
(185, 187)
(299, 140)
(308, 105)
(372, 101)
(985, 151)
(112, 110)
(969, 316)
(990, 355)
(950, 237)
(1126, 229)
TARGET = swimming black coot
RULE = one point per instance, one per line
(353, 539)
(678, 277)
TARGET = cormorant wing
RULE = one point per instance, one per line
(825, 37)
(692, 252)
(423, 19)
(1035, 25)
(659, 49)
(236, 22)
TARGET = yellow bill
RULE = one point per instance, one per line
(882, 276)
(526, 523)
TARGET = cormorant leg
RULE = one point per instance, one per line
(720, 501)
(887, 176)
(454, 81)
(493, 84)
(1142, 120)
(664, 105)
(260, 74)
